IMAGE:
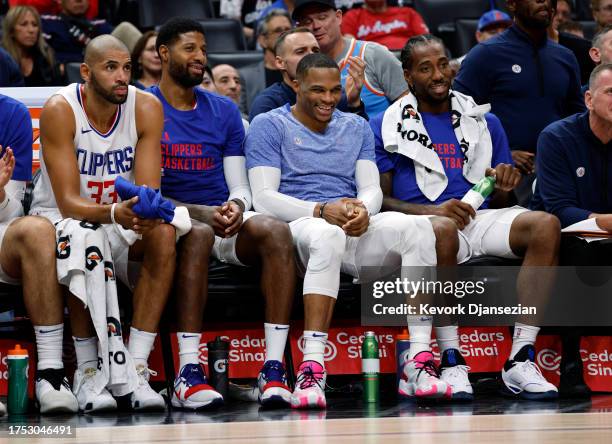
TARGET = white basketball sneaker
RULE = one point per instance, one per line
(144, 397)
(421, 379)
(89, 400)
(454, 371)
(53, 393)
(523, 378)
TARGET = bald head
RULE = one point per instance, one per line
(227, 80)
(100, 47)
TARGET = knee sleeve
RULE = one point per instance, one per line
(326, 248)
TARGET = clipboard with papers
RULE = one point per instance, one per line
(588, 230)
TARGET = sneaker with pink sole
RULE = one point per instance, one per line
(309, 387)
(421, 379)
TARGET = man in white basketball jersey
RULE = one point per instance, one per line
(91, 134)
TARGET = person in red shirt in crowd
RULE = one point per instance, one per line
(390, 26)
(54, 7)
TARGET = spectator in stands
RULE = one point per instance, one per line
(260, 75)
(22, 38)
(228, 83)
(383, 74)
(490, 24)
(438, 115)
(602, 12)
(285, 5)
(601, 51)
(146, 66)
(563, 13)
(290, 48)
(375, 21)
(250, 11)
(10, 74)
(53, 7)
(69, 32)
(573, 170)
(529, 81)
(571, 27)
(208, 82)
(28, 257)
(314, 167)
(572, 41)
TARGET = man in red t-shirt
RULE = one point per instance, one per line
(389, 26)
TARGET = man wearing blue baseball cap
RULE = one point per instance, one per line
(491, 23)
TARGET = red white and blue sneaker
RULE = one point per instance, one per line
(421, 379)
(523, 378)
(454, 371)
(310, 386)
(191, 389)
(272, 382)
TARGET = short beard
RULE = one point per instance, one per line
(180, 75)
(109, 96)
(535, 23)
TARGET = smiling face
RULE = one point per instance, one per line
(324, 23)
(185, 59)
(295, 47)
(319, 92)
(429, 76)
(599, 97)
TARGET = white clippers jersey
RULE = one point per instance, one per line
(100, 157)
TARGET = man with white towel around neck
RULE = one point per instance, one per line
(458, 143)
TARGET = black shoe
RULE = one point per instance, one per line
(572, 383)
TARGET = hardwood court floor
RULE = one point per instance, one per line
(491, 420)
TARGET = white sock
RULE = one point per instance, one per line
(140, 345)
(49, 346)
(86, 352)
(419, 328)
(314, 346)
(276, 338)
(447, 338)
(523, 335)
(189, 348)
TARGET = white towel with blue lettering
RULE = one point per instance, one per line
(404, 132)
(85, 265)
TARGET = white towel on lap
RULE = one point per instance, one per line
(85, 265)
(404, 132)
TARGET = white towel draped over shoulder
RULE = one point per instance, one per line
(403, 132)
(85, 265)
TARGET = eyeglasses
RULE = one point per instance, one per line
(607, 8)
(277, 31)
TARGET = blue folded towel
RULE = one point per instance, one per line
(150, 205)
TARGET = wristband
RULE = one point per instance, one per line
(321, 208)
(113, 206)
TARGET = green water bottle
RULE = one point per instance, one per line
(370, 367)
(479, 192)
(17, 381)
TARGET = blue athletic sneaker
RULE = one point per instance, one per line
(272, 382)
(191, 389)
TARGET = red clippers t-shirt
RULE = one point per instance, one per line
(391, 28)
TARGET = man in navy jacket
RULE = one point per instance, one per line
(529, 80)
(574, 183)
